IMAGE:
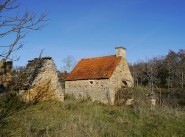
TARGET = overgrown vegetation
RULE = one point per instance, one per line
(10, 103)
(86, 118)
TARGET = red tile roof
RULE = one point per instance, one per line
(94, 68)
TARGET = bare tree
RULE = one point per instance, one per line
(152, 70)
(69, 63)
(15, 26)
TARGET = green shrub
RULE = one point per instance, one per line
(11, 102)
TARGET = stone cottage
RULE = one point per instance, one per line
(100, 78)
(39, 81)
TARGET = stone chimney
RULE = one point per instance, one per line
(121, 52)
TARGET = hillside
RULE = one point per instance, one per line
(86, 118)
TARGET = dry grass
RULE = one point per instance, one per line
(86, 118)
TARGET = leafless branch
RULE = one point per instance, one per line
(18, 25)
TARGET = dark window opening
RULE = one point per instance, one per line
(125, 84)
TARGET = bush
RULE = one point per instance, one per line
(9, 104)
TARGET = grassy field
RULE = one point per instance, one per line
(85, 118)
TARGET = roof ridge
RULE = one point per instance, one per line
(99, 57)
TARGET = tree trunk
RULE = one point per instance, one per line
(182, 80)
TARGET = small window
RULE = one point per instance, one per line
(91, 82)
(125, 84)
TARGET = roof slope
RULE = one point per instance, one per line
(94, 68)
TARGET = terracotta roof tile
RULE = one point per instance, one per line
(94, 68)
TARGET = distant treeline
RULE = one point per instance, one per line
(161, 72)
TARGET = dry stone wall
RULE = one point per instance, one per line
(5, 74)
(40, 81)
(98, 90)
(122, 76)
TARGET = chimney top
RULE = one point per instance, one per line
(120, 48)
(121, 52)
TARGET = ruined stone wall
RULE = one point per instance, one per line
(95, 89)
(5, 73)
(41, 79)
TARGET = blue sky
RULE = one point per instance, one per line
(90, 28)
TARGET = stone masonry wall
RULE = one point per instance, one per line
(44, 82)
(120, 76)
(95, 89)
(5, 73)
